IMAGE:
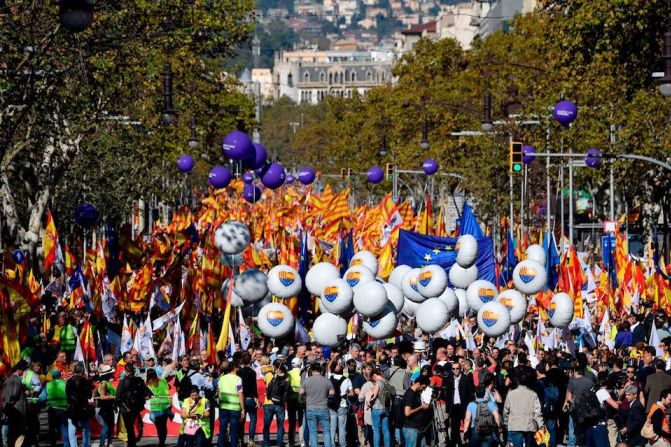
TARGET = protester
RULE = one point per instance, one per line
(338, 403)
(414, 411)
(195, 429)
(274, 406)
(660, 422)
(317, 389)
(250, 391)
(294, 409)
(482, 422)
(131, 395)
(382, 400)
(635, 418)
(522, 414)
(159, 404)
(55, 398)
(231, 405)
(106, 395)
(15, 404)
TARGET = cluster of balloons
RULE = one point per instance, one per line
(375, 174)
(239, 147)
(429, 294)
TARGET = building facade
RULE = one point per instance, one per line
(311, 76)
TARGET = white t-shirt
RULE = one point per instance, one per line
(345, 388)
(603, 395)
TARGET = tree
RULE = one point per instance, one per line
(63, 96)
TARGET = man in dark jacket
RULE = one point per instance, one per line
(459, 391)
(78, 390)
(131, 395)
(635, 418)
(15, 404)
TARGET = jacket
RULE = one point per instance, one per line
(634, 423)
(522, 410)
(78, 390)
(654, 385)
(466, 391)
(399, 379)
(14, 395)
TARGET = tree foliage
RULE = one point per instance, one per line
(79, 113)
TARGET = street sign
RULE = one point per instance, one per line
(607, 250)
(609, 226)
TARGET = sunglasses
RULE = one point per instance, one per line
(456, 369)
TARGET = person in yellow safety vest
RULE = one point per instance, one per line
(105, 393)
(231, 404)
(65, 334)
(159, 404)
(57, 404)
(195, 429)
(33, 386)
(294, 410)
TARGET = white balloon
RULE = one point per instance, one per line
(449, 298)
(463, 302)
(494, 319)
(383, 325)
(467, 250)
(395, 296)
(328, 328)
(396, 277)
(236, 300)
(463, 277)
(431, 315)
(319, 275)
(409, 286)
(337, 296)
(432, 281)
(515, 303)
(357, 275)
(370, 299)
(537, 253)
(529, 277)
(480, 292)
(252, 286)
(275, 320)
(232, 237)
(409, 308)
(284, 281)
(560, 310)
(365, 258)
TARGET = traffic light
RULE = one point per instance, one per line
(342, 174)
(349, 173)
(389, 170)
(516, 157)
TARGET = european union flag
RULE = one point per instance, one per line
(469, 224)
(418, 250)
(510, 261)
(346, 253)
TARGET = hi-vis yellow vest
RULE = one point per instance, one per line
(200, 410)
(229, 398)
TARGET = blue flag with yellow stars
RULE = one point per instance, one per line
(418, 250)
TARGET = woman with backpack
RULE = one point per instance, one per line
(159, 404)
(482, 421)
(380, 403)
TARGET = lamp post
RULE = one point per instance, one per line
(487, 124)
(193, 139)
(168, 116)
(425, 140)
(665, 81)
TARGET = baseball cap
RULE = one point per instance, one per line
(296, 362)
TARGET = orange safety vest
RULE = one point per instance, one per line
(665, 420)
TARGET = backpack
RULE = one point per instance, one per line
(587, 410)
(275, 389)
(386, 395)
(485, 424)
(550, 399)
(184, 386)
(135, 394)
(335, 400)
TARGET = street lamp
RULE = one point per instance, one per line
(665, 81)
(193, 140)
(168, 116)
(76, 15)
(487, 124)
(425, 140)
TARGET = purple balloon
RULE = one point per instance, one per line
(429, 166)
(185, 163)
(306, 175)
(261, 170)
(261, 156)
(247, 177)
(565, 112)
(528, 154)
(274, 176)
(251, 193)
(593, 159)
(238, 146)
(375, 175)
(219, 177)
(86, 215)
(543, 210)
(290, 179)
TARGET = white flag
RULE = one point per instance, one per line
(126, 337)
(245, 332)
(79, 353)
(146, 344)
(161, 321)
(178, 344)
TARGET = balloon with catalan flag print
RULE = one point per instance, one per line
(493, 319)
(336, 297)
(284, 281)
(480, 292)
(275, 320)
(529, 277)
(358, 275)
(409, 285)
(432, 281)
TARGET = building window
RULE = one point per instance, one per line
(353, 76)
(290, 80)
(384, 76)
(330, 78)
(306, 77)
(369, 76)
(322, 77)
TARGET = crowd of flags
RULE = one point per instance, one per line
(121, 276)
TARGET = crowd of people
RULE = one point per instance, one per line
(410, 392)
